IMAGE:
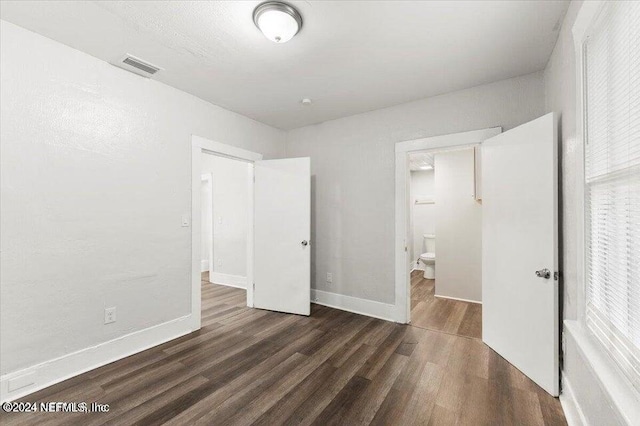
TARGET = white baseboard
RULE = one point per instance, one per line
(204, 265)
(457, 298)
(356, 305)
(572, 412)
(237, 281)
(37, 377)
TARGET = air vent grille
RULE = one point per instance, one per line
(142, 66)
(136, 65)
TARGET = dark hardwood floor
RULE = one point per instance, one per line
(438, 314)
(248, 366)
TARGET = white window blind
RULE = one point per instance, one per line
(612, 187)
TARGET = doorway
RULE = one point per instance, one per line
(225, 221)
(445, 240)
(278, 227)
(404, 240)
(519, 278)
(204, 156)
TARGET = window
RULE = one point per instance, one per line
(612, 183)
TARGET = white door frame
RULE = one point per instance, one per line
(402, 150)
(200, 145)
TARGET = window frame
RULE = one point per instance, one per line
(583, 26)
(584, 23)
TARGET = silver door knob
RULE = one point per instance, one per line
(305, 242)
(544, 273)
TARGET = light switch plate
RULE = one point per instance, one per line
(185, 220)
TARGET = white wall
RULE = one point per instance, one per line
(352, 167)
(595, 403)
(230, 212)
(422, 215)
(95, 170)
(458, 227)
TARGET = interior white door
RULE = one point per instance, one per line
(520, 249)
(282, 229)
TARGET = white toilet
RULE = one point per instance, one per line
(429, 257)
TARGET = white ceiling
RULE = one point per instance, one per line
(350, 56)
(420, 159)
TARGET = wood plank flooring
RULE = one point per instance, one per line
(438, 314)
(248, 366)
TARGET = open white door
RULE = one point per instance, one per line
(520, 249)
(282, 229)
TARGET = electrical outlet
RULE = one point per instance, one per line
(219, 261)
(329, 277)
(109, 315)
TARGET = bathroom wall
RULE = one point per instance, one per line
(96, 175)
(230, 219)
(458, 227)
(422, 215)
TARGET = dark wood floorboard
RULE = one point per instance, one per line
(248, 366)
(439, 314)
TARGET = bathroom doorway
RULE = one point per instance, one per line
(406, 254)
(446, 240)
(516, 191)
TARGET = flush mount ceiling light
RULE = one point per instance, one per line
(278, 21)
(427, 167)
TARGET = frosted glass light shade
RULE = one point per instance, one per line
(278, 21)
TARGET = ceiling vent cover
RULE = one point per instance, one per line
(137, 66)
